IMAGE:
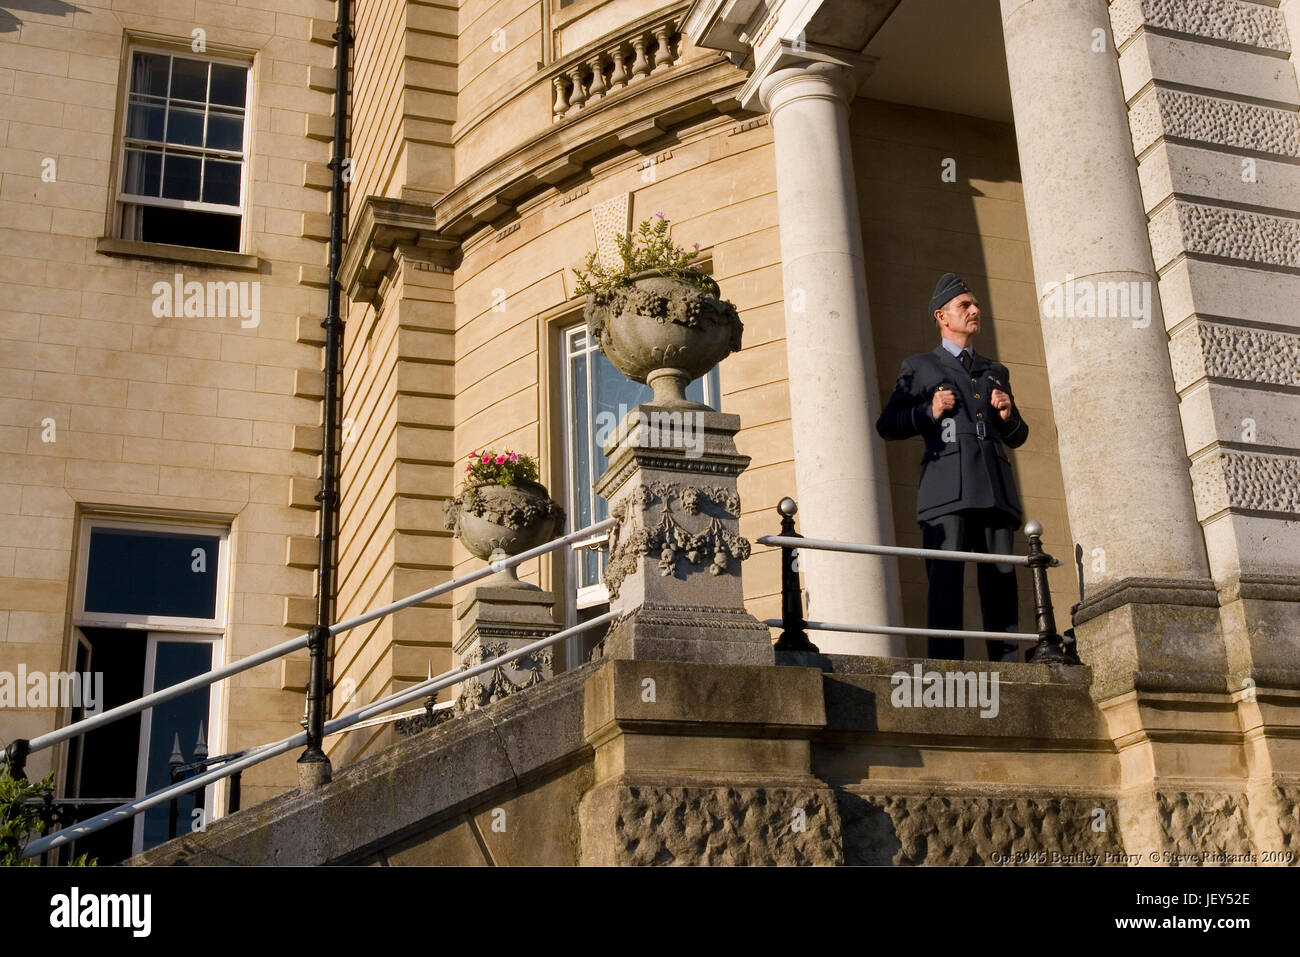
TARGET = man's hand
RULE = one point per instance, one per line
(1002, 402)
(944, 400)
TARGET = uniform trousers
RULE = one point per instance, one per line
(971, 530)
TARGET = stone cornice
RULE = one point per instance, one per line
(382, 229)
(688, 92)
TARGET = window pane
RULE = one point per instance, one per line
(143, 175)
(179, 718)
(152, 573)
(149, 73)
(181, 177)
(225, 131)
(581, 464)
(144, 119)
(228, 84)
(184, 126)
(189, 80)
(221, 182)
(186, 227)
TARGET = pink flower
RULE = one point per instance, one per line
(697, 245)
(660, 214)
(473, 455)
(469, 468)
(513, 457)
(501, 460)
(486, 458)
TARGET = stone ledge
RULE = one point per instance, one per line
(130, 248)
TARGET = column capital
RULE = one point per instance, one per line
(811, 76)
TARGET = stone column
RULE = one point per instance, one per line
(840, 470)
(1123, 461)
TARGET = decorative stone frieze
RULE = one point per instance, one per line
(494, 621)
(1209, 119)
(1246, 480)
(584, 80)
(1228, 21)
(1224, 233)
(1211, 350)
(639, 534)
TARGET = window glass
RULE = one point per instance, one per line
(147, 573)
(179, 721)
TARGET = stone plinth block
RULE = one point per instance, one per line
(496, 620)
(675, 554)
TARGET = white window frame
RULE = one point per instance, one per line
(215, 625)
(213, 730)
(123, 199)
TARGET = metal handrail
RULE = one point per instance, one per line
(277, 651)
(857, 548)
(907, 632)
(1050, 647)
(267, 751)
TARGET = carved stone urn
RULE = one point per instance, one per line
(488, 518)
(664, 332)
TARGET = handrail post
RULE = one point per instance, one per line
(1050, 648)
(314, 767)
(16, 758)
(793, 635)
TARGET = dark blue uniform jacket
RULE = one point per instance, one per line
(973, 470)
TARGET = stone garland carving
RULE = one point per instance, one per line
(477, 693)
(1231, 21)
(1214, 350)
(666, 537)
(1224, 233)
(1209, 119)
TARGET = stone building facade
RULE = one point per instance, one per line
(1116, 181)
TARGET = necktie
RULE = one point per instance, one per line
(965, 360)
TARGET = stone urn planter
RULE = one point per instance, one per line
(489, 517)
(664, 332)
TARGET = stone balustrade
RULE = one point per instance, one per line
(608, 70)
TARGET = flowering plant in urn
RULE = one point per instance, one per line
(657, 314)
(502, 507)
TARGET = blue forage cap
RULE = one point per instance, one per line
(949, 287)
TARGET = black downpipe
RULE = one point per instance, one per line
(318, 641)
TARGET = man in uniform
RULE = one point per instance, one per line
(960, 403)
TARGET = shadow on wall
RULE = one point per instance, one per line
(10, 22)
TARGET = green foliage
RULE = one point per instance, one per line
(20, 818)
(648, 248)
(490, 467)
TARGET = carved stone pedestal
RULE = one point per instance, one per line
(675, 554)
(496, 620)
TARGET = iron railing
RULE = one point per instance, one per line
(18, 751)
(1049, 648)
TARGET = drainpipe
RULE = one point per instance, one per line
(314, 767)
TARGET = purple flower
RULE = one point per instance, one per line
(660, 214)
(697, 245)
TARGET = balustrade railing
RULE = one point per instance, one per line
(590, 78)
